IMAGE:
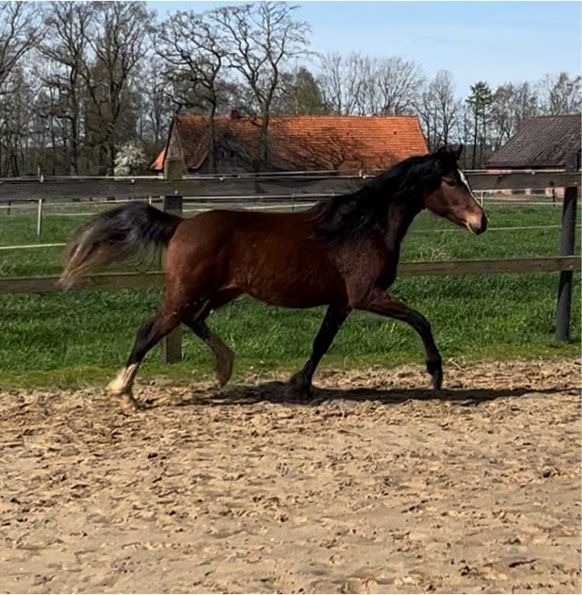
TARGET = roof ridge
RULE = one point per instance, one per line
(292, 116)
(577, 114)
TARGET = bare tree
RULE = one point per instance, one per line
(369, 100)
(331, 83)
(462, 132)
(117, 44)
(399, 84)
(438, 109)
(502, 125)
(525, 104)
(260, 40)
(561, 94)
(156, 107)
(512, 103)
(66, 46)
(358, 84)
(345, 82)
(20, 121)
(18, 35)
(194, 51)
(446, 104)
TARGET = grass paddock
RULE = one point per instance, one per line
(81, 337)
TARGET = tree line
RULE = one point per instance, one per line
(82, 84)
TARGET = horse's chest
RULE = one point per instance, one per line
(371, 264)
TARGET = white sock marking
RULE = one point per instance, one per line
(124, 379)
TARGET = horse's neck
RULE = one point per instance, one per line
(397, 223)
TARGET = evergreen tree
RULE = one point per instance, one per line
(479, 102)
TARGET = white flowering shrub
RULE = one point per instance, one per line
(130, 160)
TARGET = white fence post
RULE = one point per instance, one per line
(39, 217)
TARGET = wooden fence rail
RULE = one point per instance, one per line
(126, 188)
(440, 268)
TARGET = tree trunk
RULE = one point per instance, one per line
(475, 126)
(263, 143)
(212, 150)
(74, 162)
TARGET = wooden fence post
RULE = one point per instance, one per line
(173, 170)
(172, 343)
(567, 243)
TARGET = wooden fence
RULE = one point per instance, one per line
(271, 189)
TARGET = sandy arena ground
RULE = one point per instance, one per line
(378, 486)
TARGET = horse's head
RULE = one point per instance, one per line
(453, 198)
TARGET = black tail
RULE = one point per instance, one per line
(116, 235)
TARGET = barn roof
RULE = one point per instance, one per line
(542, 142)
(304, 143)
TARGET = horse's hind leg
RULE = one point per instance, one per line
(224, 356)
(147, 337)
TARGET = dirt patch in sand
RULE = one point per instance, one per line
(377, 486)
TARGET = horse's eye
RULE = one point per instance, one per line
(451, 182)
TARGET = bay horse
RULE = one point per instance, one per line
(342, 253)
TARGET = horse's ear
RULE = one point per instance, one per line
(459, 151)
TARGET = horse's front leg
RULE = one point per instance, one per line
(334, 318)
(379, 302)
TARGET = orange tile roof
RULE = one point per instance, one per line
(306, 143)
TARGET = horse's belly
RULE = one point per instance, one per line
(292, 283)
(290, 298)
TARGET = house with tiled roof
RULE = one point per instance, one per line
(543, 142)
(345, 144)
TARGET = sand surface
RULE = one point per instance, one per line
(377, 486)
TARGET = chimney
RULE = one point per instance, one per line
(234, 114)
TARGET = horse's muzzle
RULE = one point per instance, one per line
(477, 227)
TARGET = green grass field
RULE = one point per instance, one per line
(82, 337)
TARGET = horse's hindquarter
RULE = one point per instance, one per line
(270, 256)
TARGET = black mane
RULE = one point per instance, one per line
(404, 184)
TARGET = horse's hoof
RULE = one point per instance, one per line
(117, 391)
(121, 384)
(298, 380)
(437, 382)
(224, 365)
(300, 387)
(435, 369)
(129, 403)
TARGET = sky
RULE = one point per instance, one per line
(493, 41)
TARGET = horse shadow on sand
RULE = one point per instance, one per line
(281, 393)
